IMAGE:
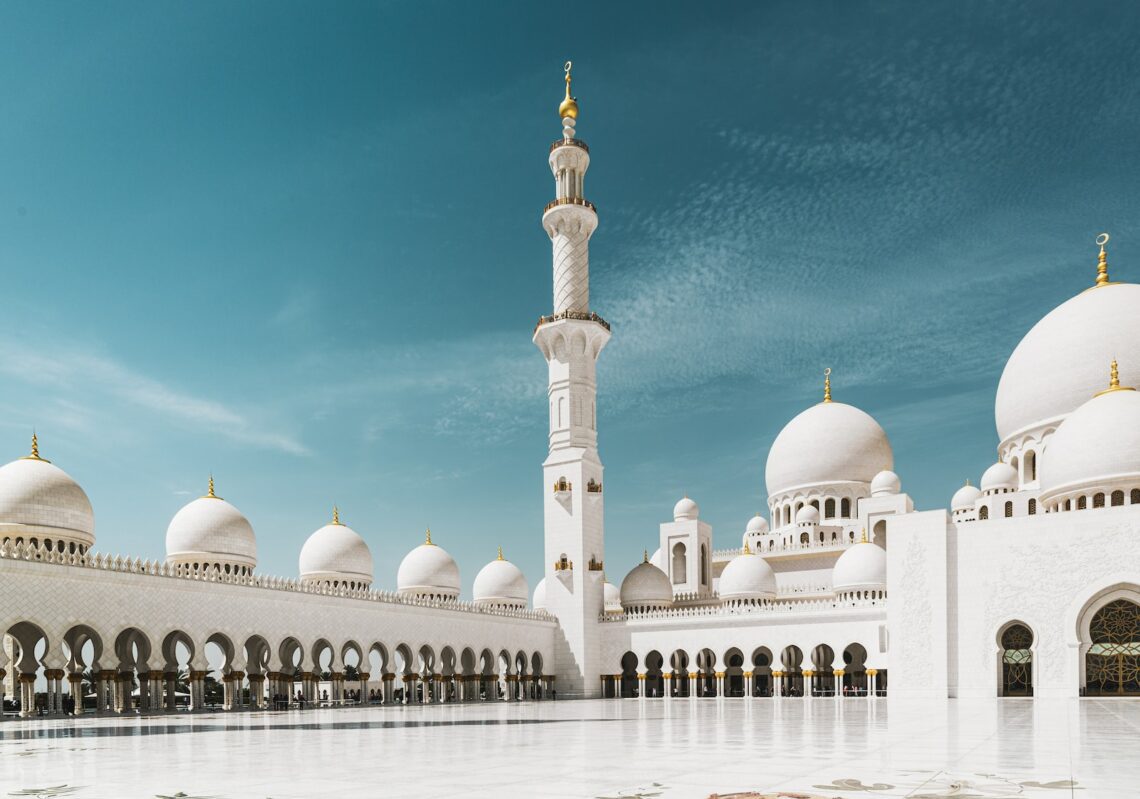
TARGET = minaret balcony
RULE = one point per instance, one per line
(562, 488)
(585, 316)
(569, 143)
(570, 201)
(594, 487)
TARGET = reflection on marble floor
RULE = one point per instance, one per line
(604, 749)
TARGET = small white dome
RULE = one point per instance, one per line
(685, 510)
(863, 567)
(831, 442)
(428, 571)
(211, 531)
(539, 600)
(611, 598)
(500, 583)
(999, 477)
(757, 525)
(1096, 449)
(885, 484)
(40, 500)
(1060, 363)
(747, 576)
(336, 554)
(807, 515)
(646, 587)
(965, 497)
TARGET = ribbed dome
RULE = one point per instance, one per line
(885, 483)
(965, 497)
(757, 525)
(1060, 363)
(999, 477)
(828, 443)
(539, 600)
(747, 576)
(428, 571)
(1096, 449)
(39, 500)
(500, 583)
(686, 510)
(210, 531)
(863, 567)
(646, 587)
(336, 554)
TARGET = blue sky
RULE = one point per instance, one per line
(298, 245)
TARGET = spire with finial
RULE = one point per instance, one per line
(827, 384)
(645, 556)
(864, 539)
(35, 453)
(336, 515)
(1102, 261)
(500, 553)
(967, 481)
(210, 491)
(1114, 380)
(746, 550)
(427, 540)
(568, 109)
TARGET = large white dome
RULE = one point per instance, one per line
(686, 510)
(965, 497)
(211, 532)
(336, 554)
(646, 587)
(39, 500)
(1095, 450)
(863, 567)
(747, 576)
(500, 583)
(830, 442)
(1061, 361)
(428, 571)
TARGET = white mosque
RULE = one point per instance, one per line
(1028, 585)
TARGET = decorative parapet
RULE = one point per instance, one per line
(593, 487)
(570, 201)
(569, 143)
(154, 568)
(582, 316)
(763, 607)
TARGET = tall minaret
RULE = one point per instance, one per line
(570, 340)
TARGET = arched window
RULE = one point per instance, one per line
(680, 563)
(804, 539)
(1082, 503)
(1009, 510)
(1117, 498)
(1068, 504)
(1032, 507)
(1017, 661)
(845, 509)
(815, 504)
(1112, 665)
(1098, 500)
(983, 512)
(1134, 499)
(829, 509)
(704, 565)
(1030, 466)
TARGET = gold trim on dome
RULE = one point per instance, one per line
(1114, 381)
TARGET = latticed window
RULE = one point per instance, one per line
(983, 513)
(1098, 501)
(1032, 507)
(829, 509)
(1117, 498)
(1082, 503)
(1008, 510)
(1017, 661)
(1135, 499)
(845, 506)
(1112, 665)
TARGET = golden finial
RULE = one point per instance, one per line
(210, 492)
(967, 481)
(827, 384)
(1114, 380)
(746, 550)
(501, 553)
(336, 515)
(864, 539)
(645, 556)
(428, 539)
(1102, 261)
(569, 106)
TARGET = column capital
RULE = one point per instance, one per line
(363, 676)
(198, 675)
(872, 672)
(748, 675)
(838, 672)
(388, 677)
(719, 675)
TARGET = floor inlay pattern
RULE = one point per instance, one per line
(603, 749)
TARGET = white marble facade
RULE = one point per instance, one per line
(1028, 584)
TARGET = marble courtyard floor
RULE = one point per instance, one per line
(851, 748)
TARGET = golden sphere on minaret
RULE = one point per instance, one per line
(569, 106)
